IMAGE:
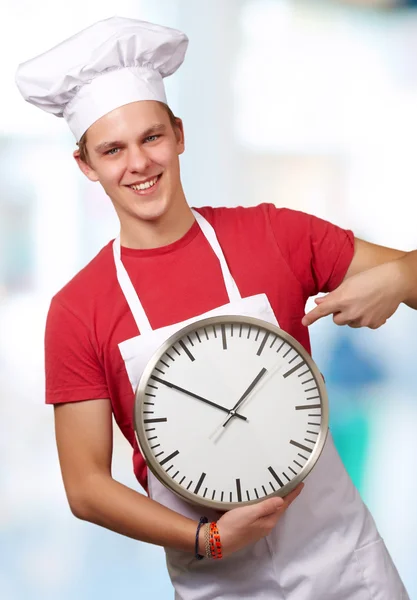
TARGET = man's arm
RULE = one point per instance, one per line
(84, 439)
(377, 281)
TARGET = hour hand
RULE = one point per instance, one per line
(180, 389)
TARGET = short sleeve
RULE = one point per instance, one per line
(317, 251)
(73, 371)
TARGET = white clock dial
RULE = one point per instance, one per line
(231, 410)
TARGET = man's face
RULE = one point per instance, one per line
(134, 153)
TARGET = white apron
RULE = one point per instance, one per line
(326, 547)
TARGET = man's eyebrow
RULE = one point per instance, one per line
(157, 128)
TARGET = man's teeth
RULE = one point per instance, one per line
(144, 186)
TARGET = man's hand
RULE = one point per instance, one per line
(248, 524)
(367, 299)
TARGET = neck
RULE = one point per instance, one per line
(146, 234)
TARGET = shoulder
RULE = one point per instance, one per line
(91, 282)
(238, 217)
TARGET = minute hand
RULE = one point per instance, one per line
(244, 395)
(180, 389)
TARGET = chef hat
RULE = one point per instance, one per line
(109, 64)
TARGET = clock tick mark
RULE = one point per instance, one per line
(169, 468)
(160, 371)
(182, 480)
(156, 446)
(256, 493)
(257, 335)
(307, 406)
(188, 353)
(273, 341)
(280, 347)
(292, 470)
(189, 485)
(174, 476)
(200, 481)
(190, 340)
(297, 463)
(262, 346)
(286, 476)
(265, 492)
(224, 341)
(293, 370)
(167, 458)
(162, 420)
(238, 490)
(288, 351)
(302, 456)
(307, 380)
(301, 446)
(198, 337)
(304, 373)
(275, 476)
(165, 364)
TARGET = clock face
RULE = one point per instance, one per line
(231, 410)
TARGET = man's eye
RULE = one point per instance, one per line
(151, 138)
(112, 151)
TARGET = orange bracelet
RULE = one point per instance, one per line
(215, 543)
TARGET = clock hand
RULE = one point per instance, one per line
(232, 413)
(180, 389)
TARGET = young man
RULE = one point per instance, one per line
(172, 264)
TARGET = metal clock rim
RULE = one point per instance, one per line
(139, 428)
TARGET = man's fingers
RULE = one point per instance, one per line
(293, 495)
(327, 307)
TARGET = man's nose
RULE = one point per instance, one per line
(137, 159)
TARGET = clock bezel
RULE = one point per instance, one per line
(140, 397)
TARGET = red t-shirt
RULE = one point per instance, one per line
(286, 254)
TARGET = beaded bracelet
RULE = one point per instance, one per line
(201, 522)
(215, 543)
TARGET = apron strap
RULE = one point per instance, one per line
(210, 235)
(129, 291)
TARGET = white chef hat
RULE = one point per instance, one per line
(109, 64)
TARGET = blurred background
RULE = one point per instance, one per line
(307, 104)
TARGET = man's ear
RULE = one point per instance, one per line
(85, 167)
(179, 134)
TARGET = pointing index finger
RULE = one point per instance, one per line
(326, 307)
